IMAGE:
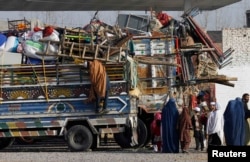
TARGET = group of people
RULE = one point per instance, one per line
(211, 125)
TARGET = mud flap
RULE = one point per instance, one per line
(133, 125)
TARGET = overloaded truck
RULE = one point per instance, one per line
(44, 92)
(45, 96)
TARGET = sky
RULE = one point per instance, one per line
(232, 16)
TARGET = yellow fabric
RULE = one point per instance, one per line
(247, 131)
(78, 61)
(98, 80)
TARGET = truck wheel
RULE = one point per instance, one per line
(79, 138)
(124, 139)
(6, 142)
(148, 140)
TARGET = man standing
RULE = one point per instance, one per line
(245, 100)
(215, 125)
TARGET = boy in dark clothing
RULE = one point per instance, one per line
(198, 129)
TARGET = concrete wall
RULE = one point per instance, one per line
(239, 40)
(3, 25)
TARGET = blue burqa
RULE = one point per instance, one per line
(234, 126)
(170, 136)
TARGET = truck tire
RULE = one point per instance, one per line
(148, 140)
(79, 138)
(124, 139)
(6, 142)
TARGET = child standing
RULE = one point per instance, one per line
(156, 132)
(198, 129)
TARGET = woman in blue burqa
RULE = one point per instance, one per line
(170, 136)
(234, 126)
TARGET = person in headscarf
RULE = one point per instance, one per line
(170, 136)
(245, 100)
(185, 125)
(156, 132)
(234, 123)
(215, 125)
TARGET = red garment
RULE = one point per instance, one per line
(178, 57)
(156, 130)
(163, 18)
(36, 29)
(203, 118)
(47, 31)
(193, 101)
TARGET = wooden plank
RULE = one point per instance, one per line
(154, 90)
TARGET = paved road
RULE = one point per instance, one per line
(57, 151)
